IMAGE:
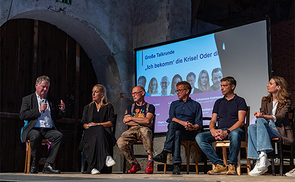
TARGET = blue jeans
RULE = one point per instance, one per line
(259, 135)
(205, 139)
(175, 134)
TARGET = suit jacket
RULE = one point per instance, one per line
(282, 120)
(29, 111)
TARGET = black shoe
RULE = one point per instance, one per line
(161, 157)
(176, 169)
(49, 169)
(34, 167)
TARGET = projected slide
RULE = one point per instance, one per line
(194, 60)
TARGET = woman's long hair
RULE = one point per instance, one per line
(173, 86)
(103, 101)
(199, 80)
(150, 89)
(283, 95)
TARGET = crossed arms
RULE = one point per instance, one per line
(135, 121)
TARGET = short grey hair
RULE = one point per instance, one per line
(40, 79)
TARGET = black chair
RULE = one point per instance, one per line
(83, 160)
(284, 151)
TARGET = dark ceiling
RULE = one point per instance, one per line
(228, 13)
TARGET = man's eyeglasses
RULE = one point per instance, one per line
(135, 93)
(180, 90)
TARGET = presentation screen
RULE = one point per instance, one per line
(203, 61)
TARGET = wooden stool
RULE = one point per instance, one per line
(187, 144)
(225, 144)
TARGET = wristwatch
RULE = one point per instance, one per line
(228, 131)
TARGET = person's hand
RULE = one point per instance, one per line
(216, 134)
(258, 114)
(127, 119)
(62, 105)
(43, 107)
(189, 126)
(223, 135)
(91, 124)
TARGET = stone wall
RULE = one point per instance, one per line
(108, 31)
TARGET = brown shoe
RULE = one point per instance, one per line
(231, 170)
(218, 169)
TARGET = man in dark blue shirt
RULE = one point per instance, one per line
(230, 112)
(185, 118)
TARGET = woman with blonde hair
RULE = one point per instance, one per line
(98, 139)
(153, 87)
(177, 78)
(271, 122)
(203, 81)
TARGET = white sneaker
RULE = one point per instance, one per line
(291, 173)
(94, 171)
(264, 163)
(256, 171)
(110, 161)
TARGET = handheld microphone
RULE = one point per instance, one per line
(44, 101)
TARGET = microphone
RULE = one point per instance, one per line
(44, 101)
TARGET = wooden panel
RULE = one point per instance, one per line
(55, 55)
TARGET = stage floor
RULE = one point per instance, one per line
(141, 176)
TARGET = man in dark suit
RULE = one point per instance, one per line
(39, 112)
(191, 78)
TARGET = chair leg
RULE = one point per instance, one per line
(124, 165)
(165, 167)
(187, 151)
(273, 166)
(28, 157)
(248, 165)
(82, 161)
(26, 171)
(292, 157)
(224, 154)
(239, 163)
(281, 156)
(248, 161)
(196, 159)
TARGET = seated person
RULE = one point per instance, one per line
(138, 117)
(185, 118)
(40, 111)
(230, 111)
(98, 139)
(271, 122)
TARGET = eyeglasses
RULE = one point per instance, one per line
(135, 93)
(180, 90)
